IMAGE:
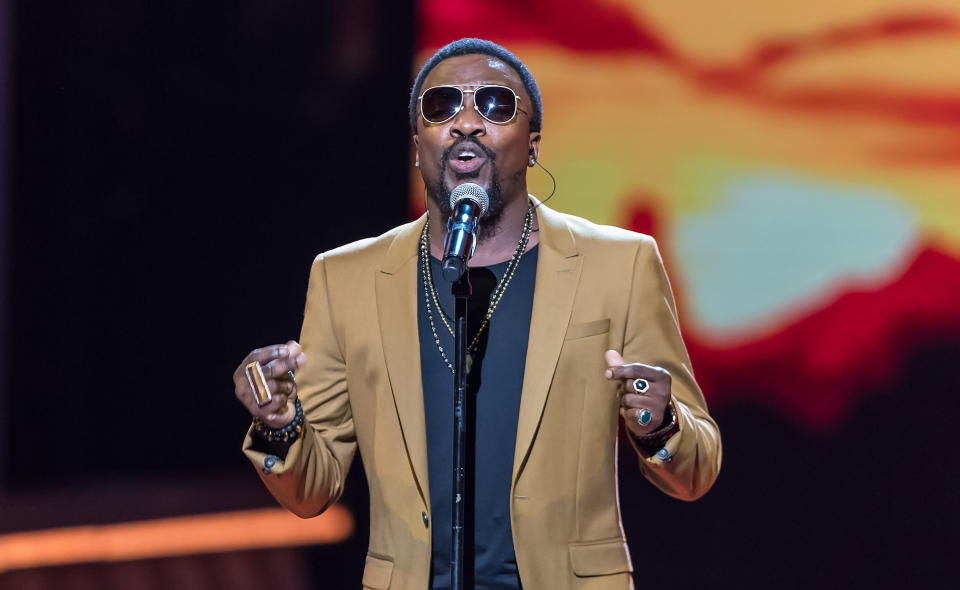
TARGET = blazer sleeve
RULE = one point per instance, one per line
(691, 460)
(311, 476)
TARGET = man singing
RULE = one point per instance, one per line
(572, 327)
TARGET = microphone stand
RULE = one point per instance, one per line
(461, 292)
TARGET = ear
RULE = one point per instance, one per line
(534, 146)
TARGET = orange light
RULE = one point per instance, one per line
(208, 533)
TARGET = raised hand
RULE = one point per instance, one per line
(279, 363)
(644, 392)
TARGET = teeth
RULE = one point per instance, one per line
(467, 154)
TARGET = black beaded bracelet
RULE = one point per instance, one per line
(287, 434)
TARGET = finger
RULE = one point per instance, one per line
(283, 416)
(652, 399)
(268, 353)
(294, 347)
(632, 417)
(283, 386)
(645, 387)
(262, 356)
(278, 368)
(249, 399)
(634, 400)
(638, 370)
(276, 408)
(613, 358)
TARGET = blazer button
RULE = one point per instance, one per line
(426, 519)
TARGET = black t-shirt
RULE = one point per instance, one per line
(493, 402)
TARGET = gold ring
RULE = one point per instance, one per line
(258, 383)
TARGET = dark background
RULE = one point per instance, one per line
(175, 167)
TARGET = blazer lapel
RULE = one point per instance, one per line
(396, 286)
(558, 274)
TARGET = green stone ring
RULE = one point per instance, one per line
(644, 416)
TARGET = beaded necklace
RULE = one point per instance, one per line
(430, 290)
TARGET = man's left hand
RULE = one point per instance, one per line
(644, 392)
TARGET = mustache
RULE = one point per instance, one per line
(473, 143)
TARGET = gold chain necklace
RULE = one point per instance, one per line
(430, 290)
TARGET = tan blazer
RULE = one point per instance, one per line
(597, 288)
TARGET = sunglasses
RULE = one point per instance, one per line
(497, 104)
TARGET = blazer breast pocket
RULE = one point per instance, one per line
(584, 329)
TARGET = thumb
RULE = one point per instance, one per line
(613, 358)
(293, 347)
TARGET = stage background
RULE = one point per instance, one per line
(170, 171)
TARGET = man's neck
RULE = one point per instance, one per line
(497, 246)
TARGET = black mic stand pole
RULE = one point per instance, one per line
(461, 292)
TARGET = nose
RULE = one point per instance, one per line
(468, 122)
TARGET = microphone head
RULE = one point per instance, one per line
(474, 192)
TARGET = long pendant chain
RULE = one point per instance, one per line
(430, 290)
(427, 279)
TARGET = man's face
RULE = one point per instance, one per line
(468, 148)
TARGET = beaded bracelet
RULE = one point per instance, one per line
(662, 434)
(287, 434)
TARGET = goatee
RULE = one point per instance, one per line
(440, 194)
(487, 226)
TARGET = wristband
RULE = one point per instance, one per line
(287, 434)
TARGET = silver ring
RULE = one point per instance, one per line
(641, 385)
(292, 376)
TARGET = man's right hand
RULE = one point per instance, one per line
(276, 361)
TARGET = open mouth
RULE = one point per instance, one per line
(466, 159)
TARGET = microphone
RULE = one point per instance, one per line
(468, 202)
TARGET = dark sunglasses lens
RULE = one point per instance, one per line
(439, 104)
(496, 103)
